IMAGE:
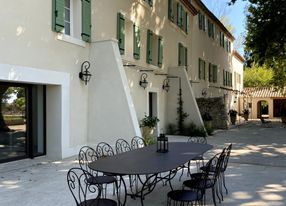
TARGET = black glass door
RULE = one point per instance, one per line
(22, 121)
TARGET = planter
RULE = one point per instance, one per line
(233, 119)
(147, 134)
(246, 116)
(283, 119)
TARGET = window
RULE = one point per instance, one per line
(136, 42)
(177, 14)
(202, 21)
(202, 69)
(210, 29)
(72, 17)
(182, 55)
(121, 32)
(228, 46)
(227, 78)
(221, 39)
(212, 73)
(154, 43)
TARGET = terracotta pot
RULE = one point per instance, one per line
(147, 132)
(246, 116)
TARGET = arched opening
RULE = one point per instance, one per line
(262, 108)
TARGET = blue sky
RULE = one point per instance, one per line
(235, 14)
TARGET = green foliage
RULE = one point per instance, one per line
(232, 112)
(193, 130)
(149, 121)
(181, 114)
(171, 129)
(258, 76)
(209, 128)
(150, 140)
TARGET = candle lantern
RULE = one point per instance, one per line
(162, 143)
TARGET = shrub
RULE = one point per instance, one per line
(149, 121)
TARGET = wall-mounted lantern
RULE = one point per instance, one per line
(166, 85)
(84, 74)
(143, 82)
(204, 92)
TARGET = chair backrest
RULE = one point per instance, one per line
(104, 150)
(201, 140)
(86, 155)
(77, 183)
(227, 155)
(121, 146)
(137, 142)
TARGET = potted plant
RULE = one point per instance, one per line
(147, 124)
(207, 118)
(246, 114)
(232, 113)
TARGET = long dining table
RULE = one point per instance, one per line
(149, 166)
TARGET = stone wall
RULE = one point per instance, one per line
(216, 108)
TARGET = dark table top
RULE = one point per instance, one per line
(147, 161)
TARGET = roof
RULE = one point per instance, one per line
(191, 8)
(214, 18)
(264, 92)
(238, 56)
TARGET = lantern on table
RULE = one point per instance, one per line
(162, 143)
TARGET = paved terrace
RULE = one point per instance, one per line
(256, 175)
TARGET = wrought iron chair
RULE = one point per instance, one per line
(82, 191)
(87, 155)
(213, 169)
(196, 195)
(137, 142)
(198, 159)
(121, 146)
(224, 166)
(103, 149)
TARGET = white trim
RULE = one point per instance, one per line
(58, 105)
(70, 39)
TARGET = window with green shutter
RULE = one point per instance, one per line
(202, 71)
(180, 46)
(121, 32)
(150, 2)
(215, 73)
(86, 20)
(149, 46)
(179, 15)
(171, 10)
(160, 51)
(186, 57)
(210, 72)
(136, 42)
(187, 23)
(200, 20)
(58, 15)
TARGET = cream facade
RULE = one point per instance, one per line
(37, 51)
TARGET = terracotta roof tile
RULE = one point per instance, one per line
(263, 92)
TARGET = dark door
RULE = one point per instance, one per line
(22, 121)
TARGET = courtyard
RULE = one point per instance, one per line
(256, 174)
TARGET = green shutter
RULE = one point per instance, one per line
(200, 73)
(86, 20)
(200, 20)
(209, 28)
(186, 57)
(179, 15)
(150, 2)
(214, 73)
(160, 51)
(149, 47)
(210, 72)
(204, 69)
(58, 15)
(180, 63)
(170, 10)
(136, 42)
(187, 23)
(121, 32)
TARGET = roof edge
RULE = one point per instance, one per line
(191, 8)
(238, 56)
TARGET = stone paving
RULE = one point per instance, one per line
(256, 175)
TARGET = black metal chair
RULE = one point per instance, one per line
(121, 146)
(224, 166)
(84, 193)
(198, 159)
(213, 169)
(196, 195)
(103, 149)
(87, 155)
(137, 142)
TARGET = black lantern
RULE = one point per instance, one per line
(143, 82)
(166, 85)
(162, 143)
(84, 74)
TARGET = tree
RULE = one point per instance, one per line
(265, 40)
(3, 98)
(258, 76)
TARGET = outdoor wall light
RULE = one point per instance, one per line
(166, 85)
(143, 82)
(204, 92)
(84, 74)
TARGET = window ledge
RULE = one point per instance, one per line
(71, 40)
(177, 28)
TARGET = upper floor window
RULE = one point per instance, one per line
(154, 52)
(182, 55)
(202, 69)
(227, 78)
(202, 21)
(212, 73)
(221, 39)
(211, 29)
(178, 15)
(72, 17)
(121, 32)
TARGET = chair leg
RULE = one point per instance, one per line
(223, 180)
(213, 193)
